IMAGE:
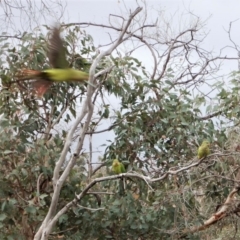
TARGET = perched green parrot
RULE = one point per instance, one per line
(204, 150)
(118, 167)
(60, 70)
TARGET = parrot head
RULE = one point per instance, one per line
(115, 163)
(206, 143)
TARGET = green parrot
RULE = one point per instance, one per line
(204, 150)
(60, 70)
(118, 167)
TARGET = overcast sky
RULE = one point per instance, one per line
(218, 12)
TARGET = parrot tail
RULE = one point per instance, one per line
(40, 85)
(121, 187)
(27, 74)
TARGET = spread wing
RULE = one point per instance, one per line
(56, 50)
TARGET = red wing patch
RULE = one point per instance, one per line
(41, 86)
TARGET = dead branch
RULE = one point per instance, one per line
(227, 208)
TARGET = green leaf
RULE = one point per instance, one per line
(3, 216)
(7, 152)
(63, 218)
(31, 209)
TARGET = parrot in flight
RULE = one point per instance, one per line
(60, 70)
(204, 150)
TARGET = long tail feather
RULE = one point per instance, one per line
(27, 74)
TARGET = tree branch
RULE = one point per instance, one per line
(50, 220)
